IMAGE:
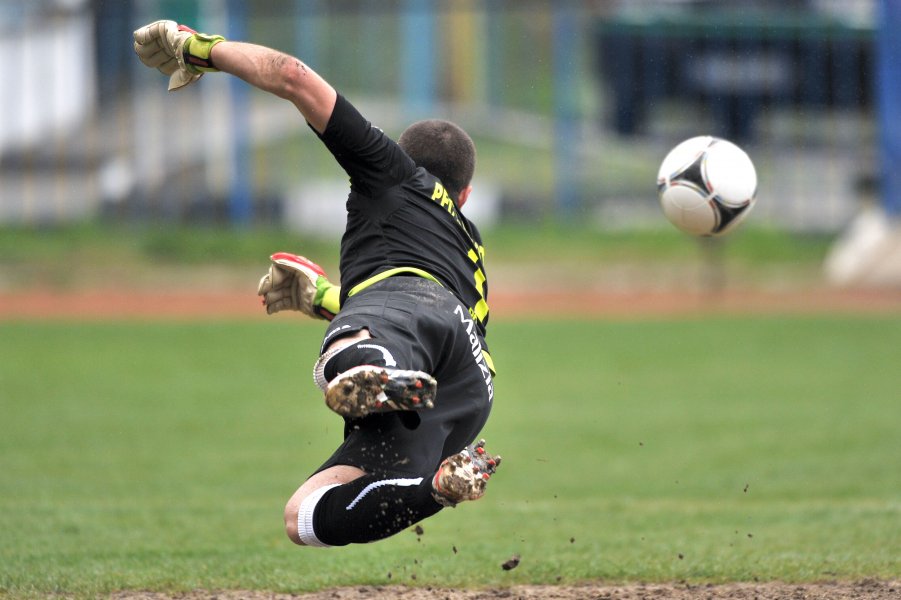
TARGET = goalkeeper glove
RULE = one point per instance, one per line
(297, 283)
(176, 50)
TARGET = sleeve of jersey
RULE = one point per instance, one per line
(373, 160)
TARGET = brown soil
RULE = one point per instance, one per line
(92, 304)
(867, 589)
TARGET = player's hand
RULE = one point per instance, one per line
(297, 283)
(176, 51)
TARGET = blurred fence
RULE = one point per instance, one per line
(572, 104)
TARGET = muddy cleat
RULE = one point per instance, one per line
(463, 476)
(369, 389)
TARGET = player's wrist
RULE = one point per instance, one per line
(326, 302)
(197, 52)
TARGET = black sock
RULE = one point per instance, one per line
(371, 508)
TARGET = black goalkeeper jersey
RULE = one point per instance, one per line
(400, 219)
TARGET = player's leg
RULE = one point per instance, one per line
(363, 510)
(387, 489)
(411, 471)
(361, 375)
(343, 505)
(323, 480)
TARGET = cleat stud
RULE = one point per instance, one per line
(486, 476)
(480, 450)
(418, 384)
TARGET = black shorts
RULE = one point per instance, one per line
(429, 330)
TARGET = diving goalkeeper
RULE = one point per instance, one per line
(404, 359)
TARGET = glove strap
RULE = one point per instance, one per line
(326, 302)
(197, 51)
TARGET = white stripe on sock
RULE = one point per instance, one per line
(377, 484)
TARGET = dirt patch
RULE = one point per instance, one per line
(44, 304)
(867, 589)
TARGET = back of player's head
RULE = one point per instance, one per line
(444, 150)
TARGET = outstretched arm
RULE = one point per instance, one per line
(280, 74)
(185, 55)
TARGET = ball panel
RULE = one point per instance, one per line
(729, 218)
(730, 174)
(683, 155)
(688, 209)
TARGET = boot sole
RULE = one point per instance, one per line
(365, 390)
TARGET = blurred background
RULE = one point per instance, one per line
(572, 104)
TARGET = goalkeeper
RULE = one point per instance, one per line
(404, 360)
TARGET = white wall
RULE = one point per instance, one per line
(47, 78)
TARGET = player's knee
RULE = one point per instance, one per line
(348, 339)
(364, 351)
(291, 523)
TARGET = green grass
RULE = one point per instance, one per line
(89, 253)
(159, 456)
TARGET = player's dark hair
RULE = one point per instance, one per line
(444, 150)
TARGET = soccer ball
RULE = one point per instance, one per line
(706, 186)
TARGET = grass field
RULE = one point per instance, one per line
(159, 455)
(115, 256)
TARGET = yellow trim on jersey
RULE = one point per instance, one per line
(390, 273)
(480, 310)
(488, 361)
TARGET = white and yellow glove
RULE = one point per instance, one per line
(176, 51)
(297, 283)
